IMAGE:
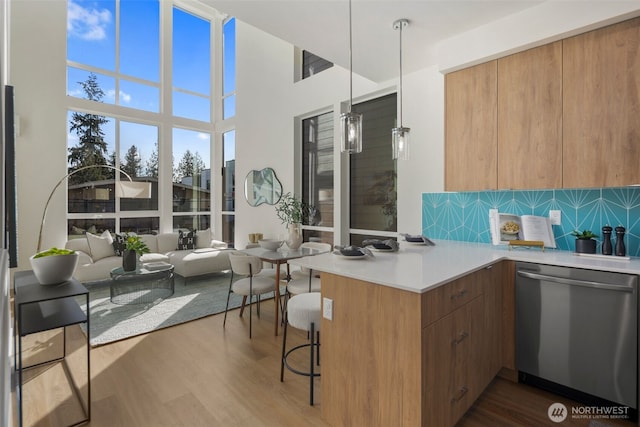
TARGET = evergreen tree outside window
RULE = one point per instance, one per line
(115, 49)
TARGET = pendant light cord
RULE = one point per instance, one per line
(401, 25)
(350, 60)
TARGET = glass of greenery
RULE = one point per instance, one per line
(290, 209)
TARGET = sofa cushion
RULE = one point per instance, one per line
(96, 271)
(152, 242)
(153, 257)
(186, 241)
(78, 244)
(119, 244)
(166, 242)
(100, 246)
(199, 261)
(203, 239)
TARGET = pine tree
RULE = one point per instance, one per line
(92, 148)
(132, 164)
(151, 168)
(191, 165)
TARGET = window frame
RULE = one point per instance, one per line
(164, 119)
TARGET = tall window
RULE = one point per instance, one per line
(229, 69)
(229, 186)
(129, 71)
(228, 182)
(373, 173)
(191, 180)
(191, 66)
(115, 60)
(317, 176)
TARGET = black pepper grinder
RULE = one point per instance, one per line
(607, 248)
(620, 249)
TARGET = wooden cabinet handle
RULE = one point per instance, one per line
(460, 395)
(460, 338)
(459, 294)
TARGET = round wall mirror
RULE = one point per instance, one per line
(262, 187)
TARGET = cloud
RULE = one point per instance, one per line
(125, 97)
(87, 24)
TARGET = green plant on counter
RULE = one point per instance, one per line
(53, 251)
(135, 243)
(584, 235)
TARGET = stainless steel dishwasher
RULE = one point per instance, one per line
(576, 332)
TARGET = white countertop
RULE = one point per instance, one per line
(418, 268)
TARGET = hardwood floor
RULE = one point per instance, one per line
(199, 374)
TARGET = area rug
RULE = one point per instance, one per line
(200, 297)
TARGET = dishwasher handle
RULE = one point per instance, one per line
(575, 282)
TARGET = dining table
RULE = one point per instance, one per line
(277, 258)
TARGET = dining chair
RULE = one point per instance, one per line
(253, 284)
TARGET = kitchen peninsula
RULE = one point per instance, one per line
(416, 336)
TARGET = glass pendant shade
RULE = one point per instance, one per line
(400, 134)
(400, 143)
(351, 127)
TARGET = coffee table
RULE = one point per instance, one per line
(144, 285)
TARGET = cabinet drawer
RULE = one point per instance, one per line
(445, 299)
(451, 357)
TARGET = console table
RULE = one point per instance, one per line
(40, 308)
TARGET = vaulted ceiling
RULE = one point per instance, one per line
(321, 27)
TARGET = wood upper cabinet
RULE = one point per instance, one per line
(530, 118)
(601, 107)
(470, 128)
(563, 115)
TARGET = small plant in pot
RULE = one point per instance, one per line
(585, 241)
(134, 246)
(54, 265)
(291, 211)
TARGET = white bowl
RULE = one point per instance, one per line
(54, 269)
(270, 244)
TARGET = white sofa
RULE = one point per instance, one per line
(209, 256)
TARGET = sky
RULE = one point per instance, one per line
(129, 74)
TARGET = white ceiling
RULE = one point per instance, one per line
(322, 27)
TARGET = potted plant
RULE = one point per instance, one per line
(134, 246)
(290, 211)
(54, 265)
(585, 243)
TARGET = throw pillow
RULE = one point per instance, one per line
(100, 246)
(119, 244)
(203, 239)
(186, 240)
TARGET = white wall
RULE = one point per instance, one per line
(545, 23)
(267, 103)
(37, 43)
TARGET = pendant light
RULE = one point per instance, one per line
(400, 134)
(350, 122)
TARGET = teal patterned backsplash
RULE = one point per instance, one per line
(465, 216)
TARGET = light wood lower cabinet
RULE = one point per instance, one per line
(450, 346)
(392, 357)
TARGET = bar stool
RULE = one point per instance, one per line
(304, 312)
